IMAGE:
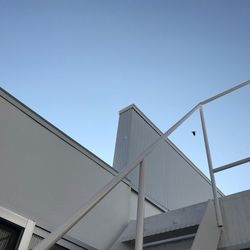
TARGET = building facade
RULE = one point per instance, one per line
(46, 176)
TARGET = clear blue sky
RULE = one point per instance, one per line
(77, 63)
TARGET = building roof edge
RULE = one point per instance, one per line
(59, 133)
(159, 132)
(56, 131)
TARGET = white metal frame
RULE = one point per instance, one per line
(210, 165)
(140, 209)
(65, 227)
(64, 242)
(26, 224)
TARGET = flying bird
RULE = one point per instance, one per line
(194, 133)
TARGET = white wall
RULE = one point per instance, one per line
(150, 209)
(46, 179)
(170, 179)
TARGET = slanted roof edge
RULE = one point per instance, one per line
(178, 151)
(67, 139)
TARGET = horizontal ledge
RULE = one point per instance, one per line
(231, 165)
(183, 237)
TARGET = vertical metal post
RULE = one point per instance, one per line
(27, 235)
(140, 210)
(210, 165)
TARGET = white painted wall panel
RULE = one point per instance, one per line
(170, 178)
(150, 209)
(122, 141)
(236, 221)
(46, 179)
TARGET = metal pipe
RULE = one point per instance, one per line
(225, 92)
(140, 210)
(231, 165)
(27, 235)
(210, 165)
(66, 226)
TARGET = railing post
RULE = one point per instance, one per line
(210, 165)
(140, 210)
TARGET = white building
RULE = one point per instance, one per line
(45, 177)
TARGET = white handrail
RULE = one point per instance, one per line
(225, 92)
(231, 165)
(65, 227)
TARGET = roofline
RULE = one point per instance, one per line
(143, 116)
(67, 139)
(151, 200)
(159, 132)
(53, 129)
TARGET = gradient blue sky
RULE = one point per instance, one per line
(77, 63)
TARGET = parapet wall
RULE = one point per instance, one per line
(171, 179)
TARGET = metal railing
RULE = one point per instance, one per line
(66, 226)
(231, 165)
